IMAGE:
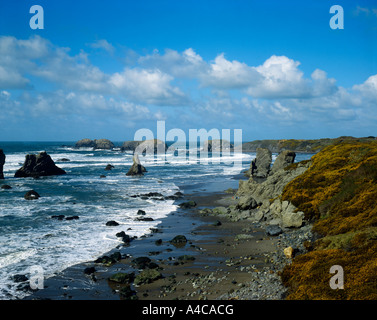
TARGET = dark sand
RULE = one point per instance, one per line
(222, 264)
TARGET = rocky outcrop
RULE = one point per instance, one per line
(38, 166)
(95, 144)
(148, 146)
(137, 169)
(284, 159)
(260, 166)
(2, 162)
(217, 145)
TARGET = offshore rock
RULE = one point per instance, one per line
(2, 162)
(38, 166)
(136, 169)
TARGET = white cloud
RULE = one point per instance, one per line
(103, 44)
(149, 86)
(368, 89)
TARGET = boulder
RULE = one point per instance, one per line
(291, 219)
(31, 195)
(112, 223)
(285, 158)
(188, 204)
(246, 202)
(136, 169)
(6, 187)
(38, 165)
(109, 167)
(122, 277)
(260, 166)
(273, 230)
(147, 276)
(180, 239)
(2, 162)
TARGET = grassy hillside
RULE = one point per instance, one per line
(339, 193)
(298, 145)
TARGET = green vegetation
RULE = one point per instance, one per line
(339, 194)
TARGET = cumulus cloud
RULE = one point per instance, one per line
(150, 86)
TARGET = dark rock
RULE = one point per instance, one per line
(58, 217)
(95, 144)
(187, 205)
(102, 176)
(141, 262)
(116, 256)
(180, 239)
(2, 162)
(38, 166)
(273, 230)
(125, 237)
(217, 223)
(144, 219)
(89, 270)
(31, 195)
(112, 223)
(64, 160)
(123, 278)
(147, 276)
(19, 278)
(136, 169)
(141, 212)
(186, 258)
(145, 147)
(6, 187)
(126, 293)
(158, 242)
(109, 167)
(106, 260)
(72, 218)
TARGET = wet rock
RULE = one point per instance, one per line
(147, 276)
(126, 293)
(109, 167)
(123, 278)
(136, 169)
(6, 187)
(188, 204)
(72, 218)
(89, 270)
(140, 212)
(58, 217)
(144, 219)
(2, 162)
(64, 160)
(141, 262)
(180, 239)
(112, 223)
(19, 278)
(125, 237)
(31, 195)
(38, 166)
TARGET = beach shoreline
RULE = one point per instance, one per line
(224, 260)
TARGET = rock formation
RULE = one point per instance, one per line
(136, 169)
(260, 166)
(147, 146)
(95, 144)
(217, 145)
(2, 161)
(284, 159)
(37, 166)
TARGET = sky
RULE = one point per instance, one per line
(275, 69)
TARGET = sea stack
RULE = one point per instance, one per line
(260, 166)
(2, 161)
(38, 166)
(136, 169)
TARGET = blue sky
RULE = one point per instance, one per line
(104, 70)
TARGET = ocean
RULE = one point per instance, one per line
(29, 236)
